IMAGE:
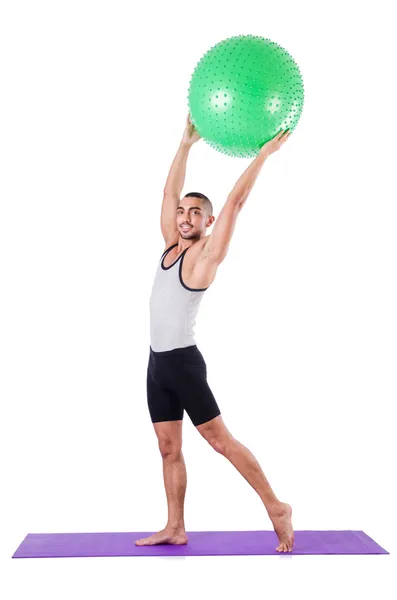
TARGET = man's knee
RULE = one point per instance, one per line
(169, 448)
(169, 435)
(216, 434)
(220, 442)
(220, 445)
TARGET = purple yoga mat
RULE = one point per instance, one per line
(200, 543)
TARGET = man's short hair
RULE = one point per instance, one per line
(206, 201)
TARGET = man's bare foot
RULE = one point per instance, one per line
(280, 516)
(166, 536)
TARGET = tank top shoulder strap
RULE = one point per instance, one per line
(167, 250)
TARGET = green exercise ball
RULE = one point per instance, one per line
(243, 92)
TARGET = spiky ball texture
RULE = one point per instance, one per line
(244, 91)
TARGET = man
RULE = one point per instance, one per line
(177, 375)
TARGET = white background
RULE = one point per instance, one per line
(298, 330)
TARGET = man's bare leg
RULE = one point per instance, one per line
(280, 513)
(220, 438)
(175, 479)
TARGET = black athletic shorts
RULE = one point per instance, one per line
(177, 381)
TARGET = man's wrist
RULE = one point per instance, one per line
(264, 153)
(186, 145)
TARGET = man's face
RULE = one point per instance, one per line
(190, 218)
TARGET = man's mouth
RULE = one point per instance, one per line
(185, 228)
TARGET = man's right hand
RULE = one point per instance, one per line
(275, 143)
(190, 135)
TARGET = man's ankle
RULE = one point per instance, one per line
(275, 508)
(175, 526)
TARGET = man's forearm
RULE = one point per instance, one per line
(245, 184)
(176, 176)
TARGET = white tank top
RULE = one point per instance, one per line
(173, 307)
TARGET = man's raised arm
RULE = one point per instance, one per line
(218, 242)
(175, 180)
(246, 182)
